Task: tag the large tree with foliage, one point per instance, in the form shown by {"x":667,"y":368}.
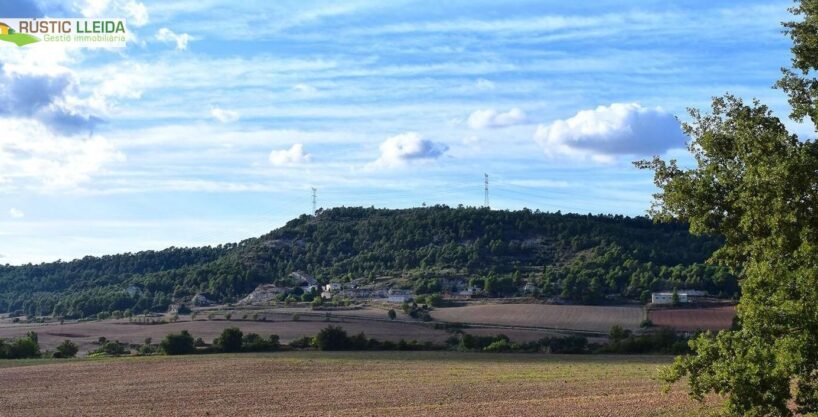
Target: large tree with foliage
{"x":757,"y":185}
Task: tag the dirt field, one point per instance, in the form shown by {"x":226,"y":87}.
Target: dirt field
{"x":691,"y":319}
{"x":84,"y":334}
{"x":373,"y":322}
{"x":570,"y":317}
{"x":343,"y":384}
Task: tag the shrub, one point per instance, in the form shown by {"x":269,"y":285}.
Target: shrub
{"x":252,"y":342}
{"x":303,"y":342}
{"x":178,"y":344}
{"x":501,"y":345}
{"x":66,"y":349}
{"x":332,"y":338}
{"x":112,"y":348}
{"x":22,"y":348}
{"x":230,"y":340}
{"x":392,"y":314}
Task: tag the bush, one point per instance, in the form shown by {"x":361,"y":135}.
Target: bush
{"x":230,"y":340}
{"x":22,"y":348}
{"x":178,"y":344}
{"x":112,"y":348}
{"x":66,"y":349}
{"x":252,"y":342}
{"x":501,"y":345}
{"x":332,"y":338}
{"x":570,"y":344}
{"x":302,"y":343}
{"x":392,"y":314}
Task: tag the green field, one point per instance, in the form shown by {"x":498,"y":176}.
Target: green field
{"x":344,"y":384}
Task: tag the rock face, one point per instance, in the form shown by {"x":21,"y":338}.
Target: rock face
{"x":262,"y":294}
{"x":200,"y":300}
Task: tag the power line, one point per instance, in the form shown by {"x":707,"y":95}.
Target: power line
{"x":486,"y":190}
{"x":314,"y":200}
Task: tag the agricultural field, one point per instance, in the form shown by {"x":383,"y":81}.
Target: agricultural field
{"x":520,"y":322}
{"x":593,"y":319}
{"x":344,"y":384}
{"x":86,"y":333}
{"x":692,"y":319}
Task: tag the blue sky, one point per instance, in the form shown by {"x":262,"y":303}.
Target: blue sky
{"x":218,"y":117}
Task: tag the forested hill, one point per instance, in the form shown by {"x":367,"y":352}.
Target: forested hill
{"x":582,"y":258}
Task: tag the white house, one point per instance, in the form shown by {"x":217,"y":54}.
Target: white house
{"x":667,"y":297}
{"x":332,"y":286}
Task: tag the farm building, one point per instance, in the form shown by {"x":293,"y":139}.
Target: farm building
{"x":684,"y":296}
{"x":332,"y":286}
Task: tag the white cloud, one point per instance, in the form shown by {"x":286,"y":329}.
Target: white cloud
{"x":16,"y":213}
{"x":490,"y":118}
{"x":167,"y":35}
{"x":224,"y":115}
{"x":406,"y":147}
{"x":33,"y":156}
{"x":304,"y":88}
{"x":133,"y":11}
{"x":606,"y":132}
{"x":292,"y":156}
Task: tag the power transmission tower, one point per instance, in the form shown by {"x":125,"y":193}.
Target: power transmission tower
{"x":486,"y":189}
{"x":314,"y":201}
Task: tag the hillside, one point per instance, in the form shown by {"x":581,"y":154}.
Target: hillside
{"x":581,"y":258}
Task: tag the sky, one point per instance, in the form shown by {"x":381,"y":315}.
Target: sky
{"x":215,"y":121}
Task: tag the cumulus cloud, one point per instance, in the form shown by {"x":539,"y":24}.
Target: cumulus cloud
{"x":292,"y":156}
{"x":224,"y":115}
{"x":16,"y":213}
{"x":406,"y":147}
{"x":167,"y":35}
{"x":41,"y":96}
{"x":490,"y":118}
{"x":33,"y":156}
{"x":606,"y":132}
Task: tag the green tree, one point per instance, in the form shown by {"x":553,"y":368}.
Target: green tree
{"x":392,"y":314}
{"x":332,"y":338}
{"x":177,"y":344}
{"x":755,"y":184}
{"x":230,"y":340}
{"x":66,"y":349}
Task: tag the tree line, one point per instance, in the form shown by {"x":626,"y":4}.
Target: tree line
{"x":581,"y":258}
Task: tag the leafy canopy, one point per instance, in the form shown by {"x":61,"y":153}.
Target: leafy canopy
{"x":757,"y":185}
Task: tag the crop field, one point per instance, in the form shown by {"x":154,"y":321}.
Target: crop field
{"x":86,"y":333}
{"x":570,"y":317}
{"x":344,"y":384}
{"x":371,"y":321}
{"x":692,"y":319}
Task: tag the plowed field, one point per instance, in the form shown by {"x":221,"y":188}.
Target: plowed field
{"x":343,"y":384}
